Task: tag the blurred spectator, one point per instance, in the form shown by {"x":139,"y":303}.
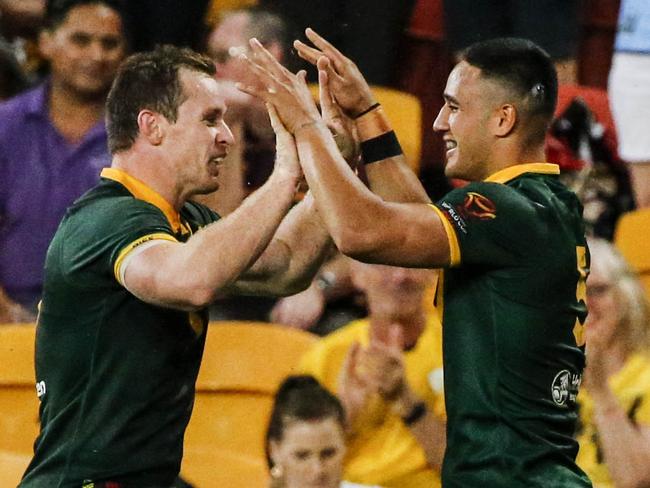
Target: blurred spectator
{"x":53,"y":142}
{"x":368,"y":31}
{"x":614,"y":429}
{"x":250,"y":160}
{"x":305,"y":439}
{"x":225,"y":43}
{"x":12,"y":78}
{"x":387,"y":371}
{"x":552,"y":24}
{"x":629,"y":92}
{"x":582,"y":140}
{"x":20,"y":24}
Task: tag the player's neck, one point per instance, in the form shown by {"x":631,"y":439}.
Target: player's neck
{"x":152,"y":173}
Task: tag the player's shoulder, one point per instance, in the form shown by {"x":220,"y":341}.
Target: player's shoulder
{"x":488,"y":198}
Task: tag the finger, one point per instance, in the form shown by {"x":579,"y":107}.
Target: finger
{"x":261,"y":73}
{"x":327,"y":48}
{"x":267,"y":60}
{"x":351,"y":360}
{"x":306,"y":52}
{"x":328,"y":108}
{"x":257,"y":92}
{"x":276,"y":123}
{"x":396,"y":338}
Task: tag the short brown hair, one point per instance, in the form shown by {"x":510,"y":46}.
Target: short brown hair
{"x":148,"y":80}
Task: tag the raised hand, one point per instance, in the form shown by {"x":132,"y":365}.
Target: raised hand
{"x":352,"y":388}
{"x":341,"y":126}
{"x":349,"y":87}
{"x":383,"y":365}
{"x":286,"y":154}
{"x":287,"y":92}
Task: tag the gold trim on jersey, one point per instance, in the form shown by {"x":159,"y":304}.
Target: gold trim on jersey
{"x":142,"y":191}
{"x":438,"y":301}
{"x":512,"y":172}
{"x":454,"y":247}
{"x":130,"y":247}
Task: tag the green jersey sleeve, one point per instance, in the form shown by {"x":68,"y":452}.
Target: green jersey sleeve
{"x":98,"y":235}
{"x":492,"y":224}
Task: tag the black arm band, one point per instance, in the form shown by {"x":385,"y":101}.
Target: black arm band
{"x":381,"y":147}
{"x":418,"y":411}
{"x":369,"y":109}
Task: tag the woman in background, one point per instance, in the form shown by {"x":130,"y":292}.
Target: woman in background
{"x":305,"y":441}
{"x":614,"y":432}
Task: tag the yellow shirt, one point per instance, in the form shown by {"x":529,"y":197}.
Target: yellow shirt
{"x":383,"y":451}
{"x":631,"y":385}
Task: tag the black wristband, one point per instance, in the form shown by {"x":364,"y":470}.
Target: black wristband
{"x":369,"y":109}
{"x":381,"y":147}
{"x":418,"y":411}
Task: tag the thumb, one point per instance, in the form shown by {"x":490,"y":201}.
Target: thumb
{"x":276,"y":123}
{"x":328,"y":109}
{"x":396,"y":338}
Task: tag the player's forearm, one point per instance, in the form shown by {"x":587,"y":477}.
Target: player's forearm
{"x":344,"y":203}
{"x":293,"y":257}
{"x":191,"y":275}
{"x":394,"y":181}
{"x":626,"y":446}
{"x":388,"y":172}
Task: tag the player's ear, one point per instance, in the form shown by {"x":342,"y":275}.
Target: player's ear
{"x":150,"y":126}
{"x":504,"y":119}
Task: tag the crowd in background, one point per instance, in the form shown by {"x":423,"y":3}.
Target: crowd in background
{"x":55,"y":74}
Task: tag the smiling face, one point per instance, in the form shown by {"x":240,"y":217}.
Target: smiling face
{"x":463,"y":122}
{"x":199,"y":139}
{"x":310,"y":453}
{"x":85,"y":50}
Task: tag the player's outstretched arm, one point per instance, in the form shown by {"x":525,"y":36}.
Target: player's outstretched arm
{"x":190,"y":275}
{"x":361,"y":224}
{"x":389,"y":176}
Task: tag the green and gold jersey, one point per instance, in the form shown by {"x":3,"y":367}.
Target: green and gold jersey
{"x":631,"y":386}
{"x":115,"y":375}
{"x":513,"y":306}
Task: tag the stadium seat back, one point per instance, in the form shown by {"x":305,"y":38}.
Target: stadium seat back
{"x":405,"y":114}
{"x":18,"y":401}
{"x":243,"y":365}
{"x":631,"y":239}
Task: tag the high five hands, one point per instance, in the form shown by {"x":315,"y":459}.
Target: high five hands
{"x":292,"y":99}
{"x":346,"y":83}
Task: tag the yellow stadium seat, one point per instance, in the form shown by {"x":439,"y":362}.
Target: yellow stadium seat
{"x":18,"y":401}
{"x":243,"y":365}
{"x":630,"y":238}
{"x":405,"y":114}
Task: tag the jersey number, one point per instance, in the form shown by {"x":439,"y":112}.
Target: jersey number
{"x":581,"y":293}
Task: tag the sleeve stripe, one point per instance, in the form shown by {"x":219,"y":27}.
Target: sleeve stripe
{"x":454,"y":247}
{"x":120,"y":263}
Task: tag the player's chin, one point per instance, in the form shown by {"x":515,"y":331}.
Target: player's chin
{"x":208,"y":188}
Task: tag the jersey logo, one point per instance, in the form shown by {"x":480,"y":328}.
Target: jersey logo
{"x":479,"y":206}
{"x":565,"y":387}
{"x":40,"y":389}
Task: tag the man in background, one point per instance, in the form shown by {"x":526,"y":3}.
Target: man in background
{"x":53,"y":142}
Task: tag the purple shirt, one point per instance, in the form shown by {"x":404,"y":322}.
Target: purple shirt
{"x":41,"y":174}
